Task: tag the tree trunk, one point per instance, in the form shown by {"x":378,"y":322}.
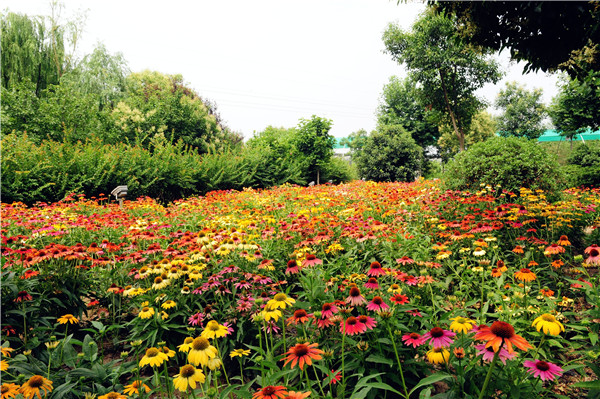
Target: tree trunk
{"x":318,"y":176}
{"x":459,"y":133}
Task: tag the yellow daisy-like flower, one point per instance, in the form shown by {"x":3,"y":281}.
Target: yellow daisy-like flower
{"x":548,"y":324}
{"x":113,"y":395}
{"x":269,"y":312}
{"x":438,"y":355}
{"x":164,"y":315}
{"x":3,"y":365}
{"x":188,"y":376}
{"x":36,"y":386}
{"x":6,"y":350}
{"x":281,"y":300}
{"x":186,"y":346}
{"x":154,"y":357}
{"x":201,"y":351}
{"x":214,"y":329}
{"x":167,"y":351}
{"x":9,"y":390}
{"x":52,"y":344}
{"x":239,"y":352}
{"x":160,"y":283}
{"x":135,"y":387}
{"x":461,"y":324}
{"x":146,"y":312}
{"x":214,"y":363}
{"x":68,"y":318}
{"x":169,"y":304}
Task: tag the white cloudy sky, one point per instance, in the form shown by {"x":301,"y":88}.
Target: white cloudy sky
{"x":264,"y":62}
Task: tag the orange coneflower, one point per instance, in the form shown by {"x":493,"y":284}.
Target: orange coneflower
{"x":300,"y":316}
{"x":557,"y":263}
{"x":9,"y":390}
{"x":563,"y":240}
{"x":554,"y":249}
{"x":34,"y":385}
{"x":501,"y":333}
{"x":525,"y":275}
{"x":271,"y":392}
{"x":518,"y":249}
{"x":303,"y":354}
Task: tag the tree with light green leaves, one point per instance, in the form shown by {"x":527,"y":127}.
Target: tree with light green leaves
{"x":482,"y":127}
{"x":315,"y":144}
{"x":448,"y":72}
{"x":522,"y":112}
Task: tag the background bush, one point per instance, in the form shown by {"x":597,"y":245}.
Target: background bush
{"x":584,"y":166}
{"x":509,"y":162}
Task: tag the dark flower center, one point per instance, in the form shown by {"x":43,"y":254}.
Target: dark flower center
{"x":200,"y":344}
{"x":542,"y":366}
{"x":187,"y":371}
{"x":354,"y":291}
{"x":377,"y":300}
{"x":300,"y":313}
{"x":152,"y":352}
{"x":36,"y":381}
{"x":310,"y":257}
{"x":301,"y":350}
{"x":280,"y":297}
{"x":326,"y":307}
{"x":291,"y":263}
{"x":268,"y":391}
{"x":363,"y":319}
{"x":351,"y":321}
{"x":594,"y":252}
{"x":375,"y":265}
{"x":414,"y":335}
{"x":436,"y":332}
{"x":502,"y":329}
{"x":372,"y":280}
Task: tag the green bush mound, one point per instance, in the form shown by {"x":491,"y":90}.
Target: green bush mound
{"x":166,"y":171}
{"x":508,"y":162}
{"x":584,"y":166}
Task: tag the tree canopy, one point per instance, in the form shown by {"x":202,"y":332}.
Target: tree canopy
{"x":447,"y":70}
{"x":315,"y":143}
{"x":522,"y":111}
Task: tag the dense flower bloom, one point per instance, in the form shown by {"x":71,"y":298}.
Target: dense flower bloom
{"x":352,"y":326}
{"x":438,"y":337}
{"x":545,"y":370}
{"x":36,"y":386}
{"x":303,"y":354}
{"x":281,"y":300}
{"x":413,"y":339}
{"x":488,"y":353}
{"x":355,"y":298}
{"x":525,"y":275}
{"x":438,"y":355}
{"x":214,"y":330}
{"x":501,"y":332}
{"x":377,"y":304}
{"x":68,"y":318}
{"x":188,"y":376}
{"x":201,"y":351}
{"x":461,"y":324}
{"x":135,"y":387}
{"x":154,"y":357}
{"x":548,"y":324}
{"x":271,"y":392}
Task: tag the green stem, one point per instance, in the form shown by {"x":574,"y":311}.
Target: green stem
{"x":62,"y":347}
{"x":489,"y":374}
{"x":307,"y":380}
{"x":399,"y":363}
{"x":157,"y":379}
{"x":343,"y":364}
{"x":241,"y":372}
{"x":222,"y":363}
{"x":167,"y":380}
{"x":24,"y":326}
{"x":262,"y":369}
{"x":318,"y":381}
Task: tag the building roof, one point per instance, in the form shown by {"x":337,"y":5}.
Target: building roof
{"x":553,"y":135}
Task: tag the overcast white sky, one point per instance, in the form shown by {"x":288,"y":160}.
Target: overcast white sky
{"x":264,"y":62}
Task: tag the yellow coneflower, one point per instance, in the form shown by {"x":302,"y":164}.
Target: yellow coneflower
{"x":438,"y":355}
{"x":187,"y":345}
{"x":214,"y":330}
{"x":169,"y":304}
{"x":239,"y":352}
{"x":113,"y":395}
{"x":160,"y":283}
{"x":188,"y":376}
{"x":36,"y":386}
{"x":135,"y":387}
{"x":548,"y":324}
{"x":146,"y":312}
{"x":201,"y":351}
{"x":154,"y":357}
{"x":525,"y":275}
{"x":68,"y":318}
{"x":281,"y":300}
{"x":461,"y":324}
{"x":9,"y":390}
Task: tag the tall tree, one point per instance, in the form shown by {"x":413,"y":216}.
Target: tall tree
{"x":547,"y":35}
{"x":315,"y":143}
{"x":448,"y":71}
{"x":522,"y":112}
{"x":400,"y":104}
{"x":482,"y":128}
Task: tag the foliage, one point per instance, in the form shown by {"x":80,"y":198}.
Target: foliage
{"x":315,"y":143}
{"x":586,"y":158}
{"x":448,"y":71}
{"x":482,"y":128}
{"x":576,"y":108}
{"x":546,"y":35}
{"x":400,"y":104}
{"x":522,"y":112}
{"x":355,"y":141}
{"x":390,"y":154}
{"x":507,"y":162}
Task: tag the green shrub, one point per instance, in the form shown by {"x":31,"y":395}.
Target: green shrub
{"x":509,"y":162}
{"x":390,"y":154}
{"x":584,"y":166}
{"x":338,"y":170}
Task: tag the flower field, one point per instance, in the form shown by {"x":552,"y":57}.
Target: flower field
{"x":362,"y":290}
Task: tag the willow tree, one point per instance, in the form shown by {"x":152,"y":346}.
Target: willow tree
{"x":447,"y":71}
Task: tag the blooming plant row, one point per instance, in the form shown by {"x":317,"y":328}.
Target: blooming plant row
{"x":352,"y":291}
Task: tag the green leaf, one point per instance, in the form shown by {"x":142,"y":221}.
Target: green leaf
{"x":379,"y":359}
{"x":593,"y":337}
{"x":430,"y":380}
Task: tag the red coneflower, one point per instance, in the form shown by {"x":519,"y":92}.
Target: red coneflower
{"x":372,"y":283}
{"x":271,"y":392}
{"x":352,"y":326}
{"x":368,"y":321}
{"x":377,"y":304}
{"x":501,"y":333}
{"x":328,"y":310}
{"x":292,"y":267}
{"x":303,"y":354}
{"x":23,"y":296}
{"x":355,"y":298}
{"x":413,"y":339}
{"x":299,"y":317}
{"x":557,"y":263}
{"x":375,"y":269}
{"x":438,"y":337}
{"x":554,"y":249}
{"x":518,"y":249}
{"x":399,"y":299}
{"x":405,"y":260}
{"x":311,"y":260}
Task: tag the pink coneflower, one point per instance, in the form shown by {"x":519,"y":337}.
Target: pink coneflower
{"x":399,"y":299}
{"x":594,"y":252}
{"x":554,"y":249}
{"x":488,"y":353}
{"x":263,"y":279}
{"x":229,"y":328}
{"x":196,"y":319}
{"x":411,"y":280}
{"x":328,"y":310}
{"x":545,"y":370}
{"x":368,"y":321}
{"x":372,"y":283}
{"x":405,"y":260}
{"x":244,"y":304}
{"x":324,"y":322}
{"x":414,"y":312}
{"x":376,"y":269}
{"x":222,"y":290}
{"x":413,"y":339}
{"x":292,"y":267}
{"x":242,"y":284}
{"x":400,"y":275}
{"x":271,"y":327}
{"x":438,"y":337}
{"x":355,"y":298}
{"x":352,"y":326}
{"x":377,"y":304}
{"x":311,"y":260}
